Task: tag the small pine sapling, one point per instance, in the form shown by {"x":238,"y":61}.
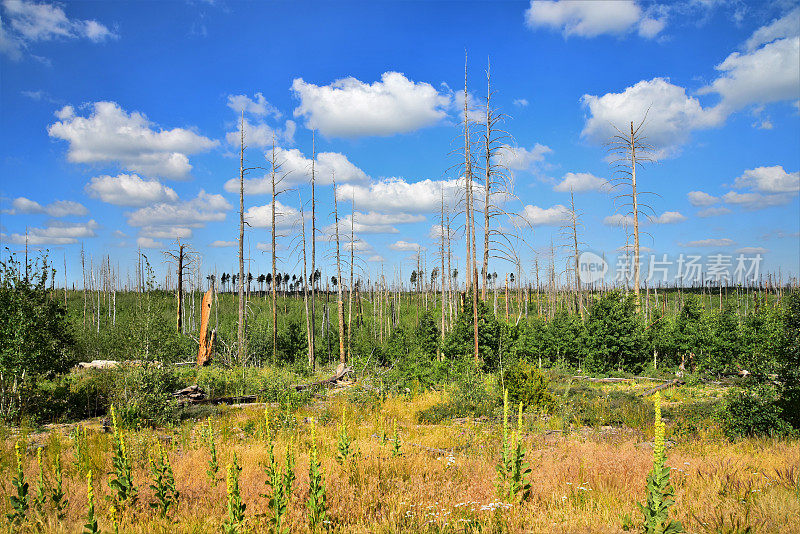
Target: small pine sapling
{"x":19,"y":502}
{"x":236,"y":508}
{"x":659,"y":489}
{"x":316,"y":491}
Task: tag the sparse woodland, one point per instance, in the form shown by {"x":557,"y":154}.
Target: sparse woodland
{"x":486,"y":393}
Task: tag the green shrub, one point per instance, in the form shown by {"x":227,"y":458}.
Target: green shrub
{"x":529,"y":385}
{"x":470,"y":397}
{"x":143,"y":395}
{"x":753,"y":411}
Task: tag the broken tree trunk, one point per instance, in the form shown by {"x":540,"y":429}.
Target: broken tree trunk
{"x":341,"y":371}
{"x":677,"y":382}
{"x":206,"y":347}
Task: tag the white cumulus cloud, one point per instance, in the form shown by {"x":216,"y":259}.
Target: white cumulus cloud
{"x":129,"y":190}
{"x":110,"y":134}
{"x":770,"y":180}
{"x":25,"y":23}
{"x":579,"y":182}
{"x":397,"y":195}
{"x":405,"y":246}
{"x":58,"y":208}
{"x":193,"y":213}
{"x":592,"y":18}
{"x":56,"y":233}
{"x":552,"y":216}
{"x":295,"y":168}
{"x":351,"y":108}
{"x":671,"y":114}
{"x":701,"y":198}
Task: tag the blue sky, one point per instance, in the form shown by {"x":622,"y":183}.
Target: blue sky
{"x":118,"y":121}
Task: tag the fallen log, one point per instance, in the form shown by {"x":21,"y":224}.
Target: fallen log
{"x":673,"y":383}
{"x":341,"y":371}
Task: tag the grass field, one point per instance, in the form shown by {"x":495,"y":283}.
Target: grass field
{"x":583,"y":478}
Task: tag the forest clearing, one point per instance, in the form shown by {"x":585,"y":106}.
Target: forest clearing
{"x":438,"y":267}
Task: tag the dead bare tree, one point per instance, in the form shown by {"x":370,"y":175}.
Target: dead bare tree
{"x":569,"y":232}
{"x":340,"y":303}
{"x":182,"y":259}
{"x":276,"y":178}
{"x":311,"y":353}
{"x":631,"y":150}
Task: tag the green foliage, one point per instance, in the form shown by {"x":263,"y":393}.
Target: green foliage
{"x":468,"y":396}
{"x":163,"y":486}
{"x":279,"y":484}
{"x":754,"y":411}
{"x":57,"y":495}
{"x":528,"y":385}
{"x":460,"y":342}
{"x":91,"y":526}
{"x":143,"y":395}
{"x":40,"y":496}
{"x":396,"y":442}
{"x":659,"y":489}
{"x":789,"y":360}
{"x":236,"y":507}
{"x":213,"y":463}
{"x":317,"y":514}
{"x":36,"y":340}
{"x":344,"y":447}
{"x":615,"y":334}
{"x":20,"y":501}
{"x":512,"y":469}
{"x":122,"y":483}
{"x":426,"y":334}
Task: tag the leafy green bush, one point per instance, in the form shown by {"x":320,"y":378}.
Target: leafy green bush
{"x":470,"y":396}
{"x":143,"y":395}
{"x":529,"y":385}
{"x":753,"y":411}
{"x":36,"y":340}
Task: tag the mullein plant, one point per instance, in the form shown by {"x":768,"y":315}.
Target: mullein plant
{"x":20,"y":501}
{"x":81,"y":449}
{"x":91,"y":526}
{"x":166,"y":495}
{"x":316,"y":489}
{"x":518,"y":484}
{"x":504,"y":465}
{"x":40,"y":496}
{"x":57,"y":495}
{"x":344,"y":449}
{"x":213,"y":462}
{"x":659,"y":489}
{"x":279,"y":482}
{"x":122,"y":483}
{"x":236,"y":508}
{"x":395,"y":440}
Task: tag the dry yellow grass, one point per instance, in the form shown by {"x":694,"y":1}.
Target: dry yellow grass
{"x":443,"y":481}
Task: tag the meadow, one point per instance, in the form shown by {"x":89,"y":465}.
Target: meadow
{"x":552,"y":429}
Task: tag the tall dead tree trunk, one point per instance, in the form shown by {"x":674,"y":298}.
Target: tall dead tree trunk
{"x":340,"y":302}
{"x":273,"y":176}
{"x":312,"y":354}
{"x":240,"y":330}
